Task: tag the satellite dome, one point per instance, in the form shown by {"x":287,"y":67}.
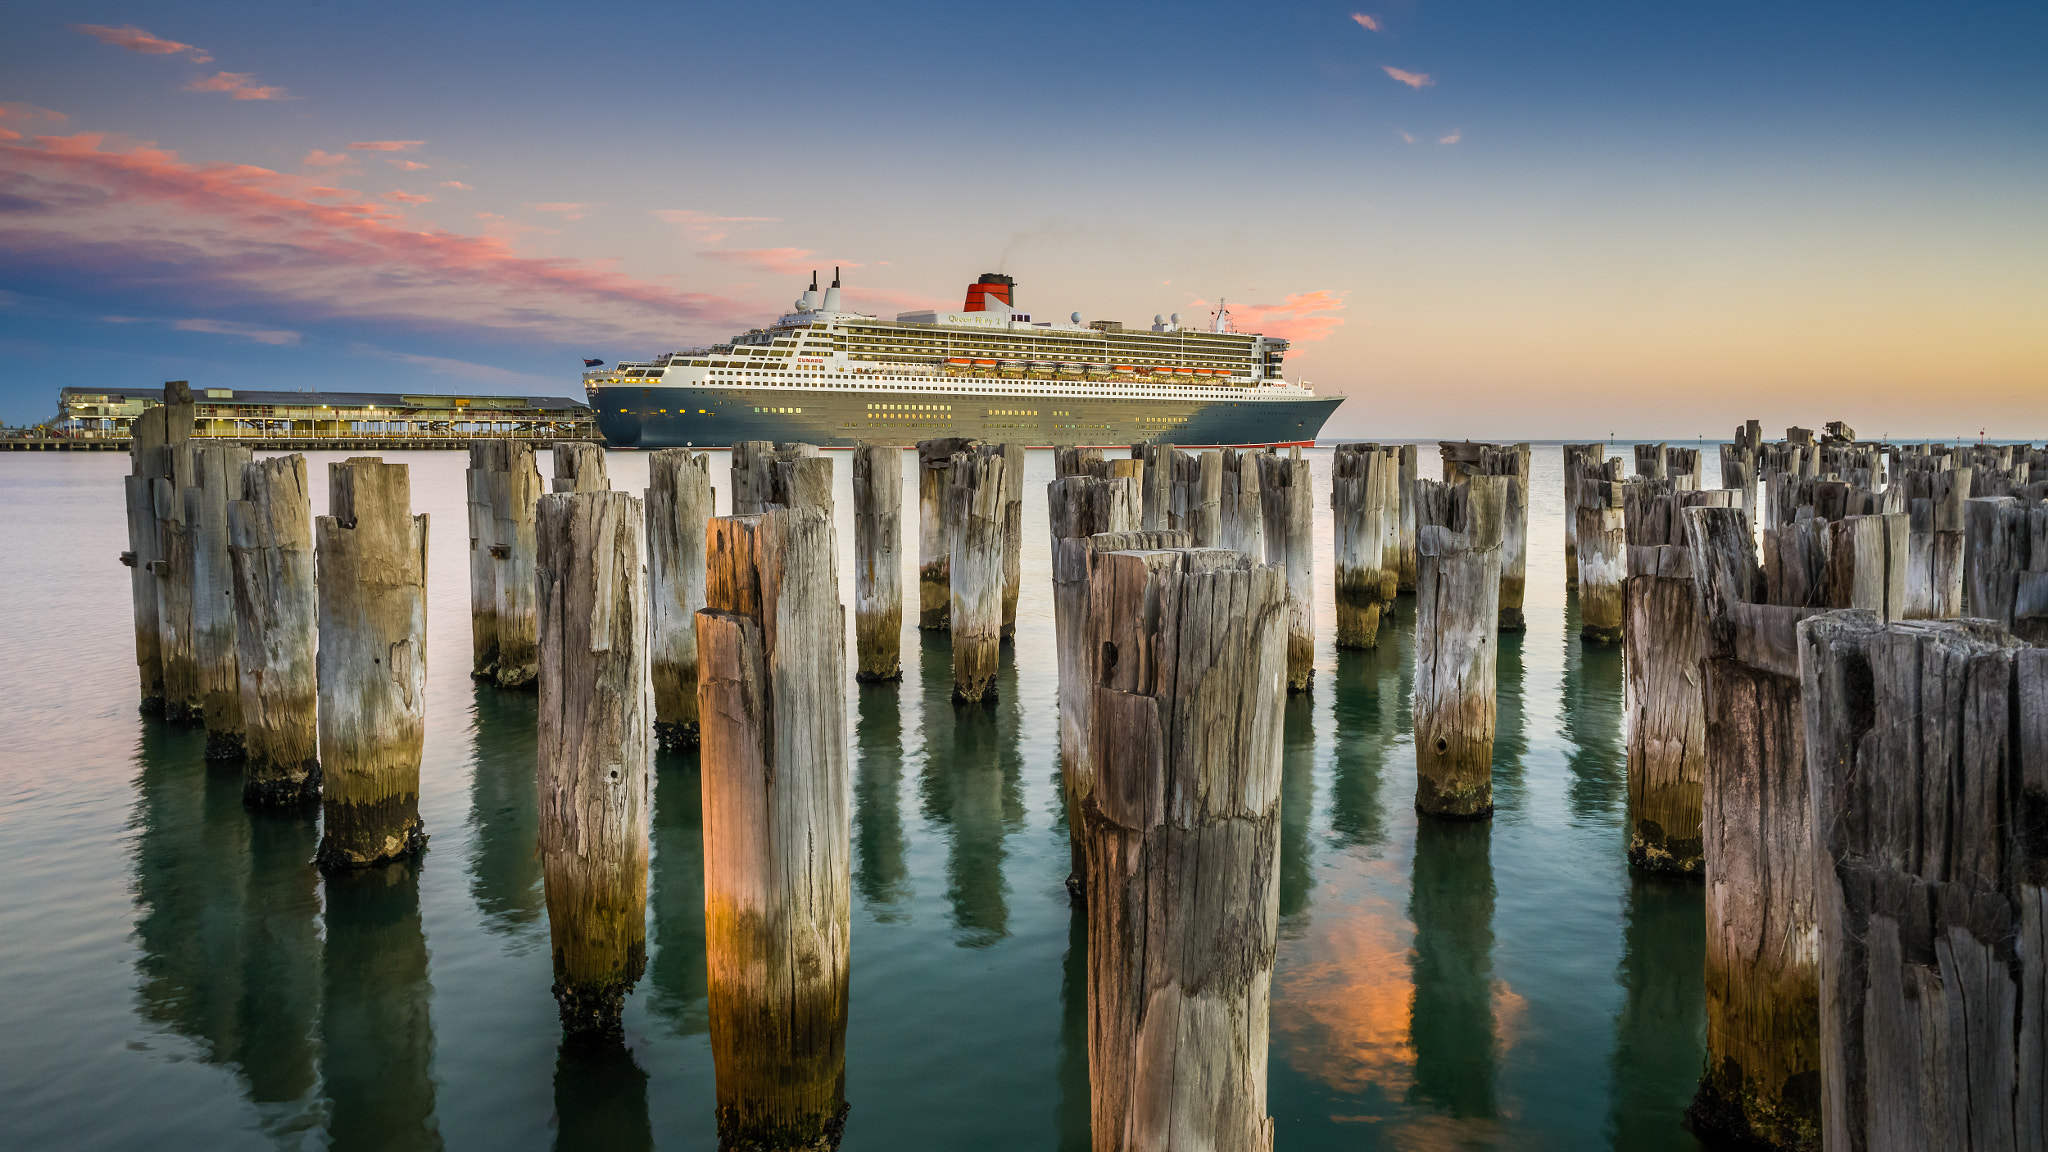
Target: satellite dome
{"x":1158,"y":319}
{"x":1077,"y":317}
{"x":1174,"y":319}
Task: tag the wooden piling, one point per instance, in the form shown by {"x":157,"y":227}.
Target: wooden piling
{"x":1362,"y":502}
{"x":1935,"y":545}
{"x":483,"y":567}
{"x":1582,"y":462}
{"x":579,"y":467}
{"x":1183,"y":832}
{"x":1602,"y":543}
{"x":800,"y":481}
{"x":595,"y":708}
{"x":680,"y":501}
{"x":1410,"y":467}
{"x":2005,"y":563}
{"x":157,"y":438}
{"x":370,"y":562}
{"x":878,"y":562}
{"x":1013,"y":533}
{"x":216,"y":483}
{"x":1457,"y":611}
{"x":1762,"y":1080}
{"x":1078,"y":507}
{"x":270,"y":538}
{"x":1286,"y":488}
{"x":1464,"y":458}
{"x":503,"y":483}
{"x":1866,"y":564}
{"x":979,"y":494}
{"x":1202,"y":494}
{"x":1156,"y":486}
{"x":934,"y":530}
{"x":1242,"y":510}
{"x":772,"y":696}
{"x":1925,"y":746}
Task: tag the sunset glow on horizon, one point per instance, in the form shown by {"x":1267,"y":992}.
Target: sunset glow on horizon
{"x":1507,"y":223}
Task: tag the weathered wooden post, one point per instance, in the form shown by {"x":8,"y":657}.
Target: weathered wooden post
{"x":483,"y":567}
{"x":1204,"y":497}
{"x":772,"y":696}
{"x":1934,"y":547}
{"x":1602,"y":540}
{"x":680,"y":501}
{"x":1924,"y":751}
{"x":750,"y":478}
{"x":270,"y":536}
{"x":1763,"y":1014}
{"x":1462,"y":459}
{"x":1013,"y":533}
{"x":1078,"y":508}
{"x":1183,"y":831}
{"x":1458,"y":531}
{"x":594,"y":754}
{"x":1663,"y":643}
{"x":1582,"y":462}
{"x":1243,"y":510}
{"x":1361,"y":485}
{"x":216,"y":483}
{"x":2005,"y":560}
{"x":1285,"y":487}
{"x":504,"y":485}
{"x":158,"y":438}
{"x":370,"y":560}
{"x":934,"y":530}
{"x":878,"y":561}
{"x":800,"y":481}
{"x":1738,"y":471}
{"x":1653,"y":461}
{"x":1157,"y":486}
{"x":1410,"y":471}
{"x":979,"y":495}
{"x":579,"y":466}
{"x":1866,"y":564}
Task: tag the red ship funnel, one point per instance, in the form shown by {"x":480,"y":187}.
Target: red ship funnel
{"x":991,"y":286}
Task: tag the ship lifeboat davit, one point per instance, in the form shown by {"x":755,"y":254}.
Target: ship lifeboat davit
{"x":1183,"y":371}
{"x":958,"y":362}
{"x":1124,"y":368}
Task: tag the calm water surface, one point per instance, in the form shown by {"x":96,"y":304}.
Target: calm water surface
{"x":174,"y":973}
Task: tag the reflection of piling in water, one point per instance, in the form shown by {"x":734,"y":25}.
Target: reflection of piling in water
{"x":600,"y":1098}
{"x":878,"y":562}
{"x":1452,"y":1024}
{"x":679,"y":505}
{"x":158,"y":442}
{"x":879,"y":870}
{"x":371,"y":562}
{"x":270,"y":533}
{"x":979,"y":499}
{"x":1071,"y":1113}
{"x":675,"y":971}
{"x":1926,"y":748}
{"x":1287,"y":491}
{"x":1762,"y":1079}
{"x":935,"y":529}
{"x":1183,"y":834}
{"x":504,"y":817}
{"x":772,"y":702}
{"x":594,"y":756}
{"x":1458,"y":529}
{"x":970,"y":786}
{"x":1297,"y":803}
{"x":1656,"y":1047}
{"x":1368,"y":709}
{"x":504,"y":485}
{"x":377,"y":1040}
{"x":216,"y":485}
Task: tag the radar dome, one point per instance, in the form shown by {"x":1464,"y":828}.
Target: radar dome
{"x":1077,"y":317}
{"x":1173,"y":319}
{"x":1158,"y":319}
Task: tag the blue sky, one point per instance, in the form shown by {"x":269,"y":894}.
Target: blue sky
{"x":1474,"y":219}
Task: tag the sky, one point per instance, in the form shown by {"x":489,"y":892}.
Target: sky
{"x":1487,"y":220}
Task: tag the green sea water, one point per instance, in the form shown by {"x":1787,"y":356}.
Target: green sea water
{"x":175,"y":974}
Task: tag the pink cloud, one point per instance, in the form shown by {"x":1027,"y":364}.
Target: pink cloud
{"x":1298,"y":317}
{"x":408,"y":198}
{"x":1405,"y":137}
{"x":1369,"y":23}
{"x":136,"y":40}
{"x":406,"y":165}
{"x":318,"y":159}
{"x":239,"y":85}
{"x":1453,"y":137}
{"x":704,"y":227}
{"x":565,"y":210}
{"x":24,"y":114}
{"x":256,"y":332}
{"x":781,"y":261}
{"x":386,"y":145}
{"x":1416,"y":80}
{"x":236,"y":238}
{"x":458,"y":185}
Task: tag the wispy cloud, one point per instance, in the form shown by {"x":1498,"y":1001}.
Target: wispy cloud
{"x":405,"y":165}
{"x":564,"y":209}
{"x":1405,"y":137}
{"x":489,"y":375}
{"x":256,"y":332}
{"x":1451,"y":137}
{"x":458,"y":185}
{"x":239,"y":85}
{"x":386,"y":145}
{"x":1369,"y":23}
{"x":318,"y":159}
{"x":1412,"y":79}
{"x":107,"y":217}
{"x":24,"y":115}
{"x":1302,"y":316}
{"x":781,"y":261}
{"x":408,"y":198}
{"x":704,"y":227}
{"x":136,"y":40}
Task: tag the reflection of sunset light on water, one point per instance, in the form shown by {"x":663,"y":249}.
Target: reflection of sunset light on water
{"x":1342,"y":1001}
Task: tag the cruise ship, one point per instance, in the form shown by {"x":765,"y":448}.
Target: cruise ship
{"x":827,"y":376}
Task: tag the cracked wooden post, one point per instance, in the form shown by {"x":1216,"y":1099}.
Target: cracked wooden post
{"x":777,"y":882}
{"x":1183,"y":831}
{"x":1934,"y":548}
{"x":1288,"y":493}
{"x":1582,"y":462}
{"x":979,"y":493}
{"x":485,"y":457}
{"x":1866,"y":564}
{"x":158,"y":438}
{"x":1738,"y":467}
{"x":1926,"y":745}
{"x":1361,"y":488}
{"x":1156,"y":486}
{"x":216,"y":484}
{"x":1464,"y":458}
{"x":593,"y":763}
{"x":183,"y":700}
{"x":1078,"y":508}
{"x":1457,"y":613}
{"x":1663,"y":643}
{"x":1762,"y":1080}
{"x":270,"y":536}
{"x":1653,"y":461}
{"x":504,"y":486}
{"x":1404,"y":482}
{"x":1602,"y":540}
{"x":1243,"y":510}
{"x":579,"y":467}
{"x":935,"y":531}
{"x":2005,"y":563}
{"x":370,"y":563}
{"x":750,"y":480}
{"x":1013,"y":533}
{"x":1204,"y":498}
{"x":680,"y":501}
{"x":878,"y":561}
{"x":800,"y":481}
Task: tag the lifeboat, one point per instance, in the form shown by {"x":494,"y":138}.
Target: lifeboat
{"x":1013,"y":365}
{"x":984,"y":363}
{"x":1070,"y":368}
{"x":1205,"y":371}
{"x":1183,"y":371}
{"x":1125,"y":368}
{"x":958,"y":362}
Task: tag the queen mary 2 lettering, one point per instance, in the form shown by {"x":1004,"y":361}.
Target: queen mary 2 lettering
{"x":826,"y":376}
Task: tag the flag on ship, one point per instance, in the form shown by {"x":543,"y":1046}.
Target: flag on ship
{"x":593,"y":363}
